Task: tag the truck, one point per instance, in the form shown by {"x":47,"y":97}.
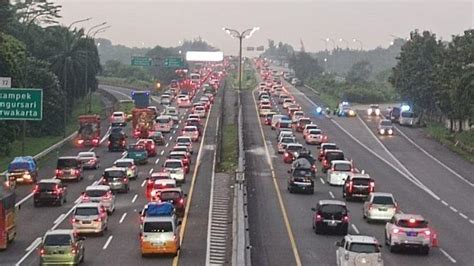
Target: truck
{"x":23,"y":169}
{"x":89,"y":131}
{"x":7,"y":216}
{"x":141,"y":98}
{"x":187,"y":87}
{"x":142,"y":122}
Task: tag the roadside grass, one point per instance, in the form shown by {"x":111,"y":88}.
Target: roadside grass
{"x":35,"y":145}
{"x":126,"y":83}
{"x":441,"y":134}
{"x":230,"y":149}
{"x":249,"y":80}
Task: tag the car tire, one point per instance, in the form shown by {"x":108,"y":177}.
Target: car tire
{"x":392,"y":248}
{"x":317,"y":230}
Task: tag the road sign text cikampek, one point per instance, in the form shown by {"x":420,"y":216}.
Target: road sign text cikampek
{"x":21,"y":104}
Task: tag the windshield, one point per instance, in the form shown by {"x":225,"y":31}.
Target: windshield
{"x":285,"y":125}
{"x":135,"y":148}
{"x":47,"y":186}
{"x":123,"y":164}
{"x":342,"y":167}
{"x":86,"y":211}
{"x":329,"y":147}
{"x":163,"y":120}
{"x":189,"y":129}
{"x":158,"y":227}
{"x":294,"y":147}
{"x":114,"y":174}
{"x":416,"y":224}
{"x":384,"y":200}
{"x":408,"y":114}
{"x":333,"y":209}
{"x":86,"y":154}
{"x":364,"y":248}
{"x":335,"y":156}
{"x":57,"y":240}
{"x":67,"y":163}
{"x":386,"y":123}
{"x":183,"y":140}
{"x":170,"y":195}
{"x":360,"y":181}
{"x":96,"y":193}
{"x":173,"y":165}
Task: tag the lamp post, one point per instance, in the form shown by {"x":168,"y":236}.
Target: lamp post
{"x":333,"y":43}
{"x":360,"y":42}
{"x":78,"y":21}
{"x":240,"y":35}
{"x":344,"y":40}
{"x":325,"y":44}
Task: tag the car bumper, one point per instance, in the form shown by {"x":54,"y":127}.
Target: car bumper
{"x":117,"y":187}
{"x":380,"y":216}
{"x":67,"y":177}
{"x":59,"y":260}
{"x":47,"y":200}
{"x":149,"y":248}
{"x":301,"y":187}
{"x":332,"y":227}
{"x":88,"y":228}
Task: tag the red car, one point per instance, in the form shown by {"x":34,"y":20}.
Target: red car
{"x":151,"y":181}
{"x":184,"y":157}
{"x":149,"y":146}
{"x":291,"y":152}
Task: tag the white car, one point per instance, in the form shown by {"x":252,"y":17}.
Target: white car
{"x":90,"y":218}
{"x":297,"y":115}
{"x":315,"y":137}
{"x":89,"y":160}
{"x":287,"y":102}
{"x":355,"y":250}
{"x":132,"y":171}
{"x":192,"y":132}
{"x":118,"y":119}
{"x":101,"y":194}
{"x":161,"y":184}
{"x":200,"y":111}
{"x":175,"y":168}
{"x":408,"y":231}
{"x":379,"y":206}
{"x":337,"y":174}
{"x":374,"y":110}
{"x":171,"y":111}
{"x":283,"y":142}
{"x":309,"y":127}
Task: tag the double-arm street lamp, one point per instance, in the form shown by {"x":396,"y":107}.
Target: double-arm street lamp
{"x":360,"y":42}
{"x":240,"y":35}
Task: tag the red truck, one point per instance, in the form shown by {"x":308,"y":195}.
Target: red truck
{"x":89,"y":131}
{"x":187,"y":87}
{"x":7,"y":216}
{"x":142,"y":122}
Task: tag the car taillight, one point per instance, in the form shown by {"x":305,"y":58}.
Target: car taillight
{"x":98,"y":219}
{"x":80,"y":141}
{"x":36,"y":189}
{"x":345,"y":219}
{"x":152,"y":146}
{"x":95,"y":141}
{"x":77,"y":172}
{"x":371,"y":207}
{"x":74,"y":251}
{"x":125,"y":179}
{"x":287,"y":154}
{"x":181,"y":201}
{"x":85,"y":198}
{"x":395,"y":230}
{"x":350,"y":186}
{"x":42,"y":251}
{"x":318,"y":218}
{"x":325,"y":162}
{"x":372,"y":186}
{"x":73,"y":220}
{"x":58,"y":172}
{"x":427,"y":232}
{"x":108,"y":142}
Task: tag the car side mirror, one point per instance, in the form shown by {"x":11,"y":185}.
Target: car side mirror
{"x":313,"y":209}
{"x":337,"y":244}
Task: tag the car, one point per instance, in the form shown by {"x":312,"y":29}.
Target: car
{"x":329,"y":156}
{"x":182,"y":147}
{"x":185,"y":141}
{"x":149,"y":145}
{"x":150,"y":181}
{"x":132,"y":171}
{"x":284,"y":132}
{"x":282,"y":97}
{"x":23,"y":169}
{"x":69,"y":168}
{"x":154,"y":109}
{"x":157,"y":137}
{"x":175,"y":196}
{"x":331,"y":215}
{"x":159,"y":185}
{"x":407,"y":118}
{"x":264,"y":110}
{"x":394,"y":114}
{"x":296,"y":82}
{"x":101,"y":194}
{"x":195,"y":122}
{"x":61,"y":247}
{"x":374,"y":110}
{"x":292,"y":109}
{"x":210,"y":96}
{"x":176,"y":169}
{"x":385,"y":127}
{"x":287,"y":102}
{"x":408,"y":231}
{"x":283,"y":142}
{"x":296,"y":115}
{"x":184,"y":156}
{"x":267,"y":119}
{"x":163,"y":123}
{"x":200,"y":110}
{"x":355,"y":250}
{"x":194,"y":116}
{"x":315,"y":137}
{"x":277,"y":118}
{"x":89,"y":160}
{"x":291,"y":152}
{"x":301,"y":123}
{"x":301,"y":180}
{"x":89,"y":218}
{"x":172,"y":112}
{"x":138,"y":153}
{"x":160,"y":235}
{"x":324,"y":147}
{"x":345,"y":109}
{"x":184,"y":101}
{"x":118,"y":119}
{"x":116,"y":178}
{"x":117,"y":139}
{"x":49,"y":191}
{"x":284,"y":124}
{"x":309,"y":127}
{"x":358,"y":186}
{"x":379,"y":206}
{"x":165,"y":100}
{"x":305,"y":160}
{"x":192,"y":132}
{"x":338,"y":172}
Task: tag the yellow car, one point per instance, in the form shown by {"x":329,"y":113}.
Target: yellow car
{"x":160,"y":235}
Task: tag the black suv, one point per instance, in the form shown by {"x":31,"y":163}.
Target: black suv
{"x":69,"y":168}
{"x":117,"y":139}
{"x":358,"y":186}
{"x":301,"y":180}
{"x":49,"y":191}
{"x":331,"y":215}
{"x":329,"y":156}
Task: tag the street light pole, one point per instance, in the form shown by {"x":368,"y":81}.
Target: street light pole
{"x":78,"y":21}
{"x":360,"y":42}
{"x":344,"y":40}
{"x":244,"y":35}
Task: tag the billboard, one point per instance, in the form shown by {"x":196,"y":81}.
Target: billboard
{"x":204,"y":56}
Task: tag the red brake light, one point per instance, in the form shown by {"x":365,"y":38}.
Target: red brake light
{"x":42,"y":252}
{"x":85,"y":198}
{"x":80,"y":141}
{"x":372,"y":186}
{"x":181,"y":201}
{"x":346,"y":219}
{"x":125,"y":179}
{"x":108,"y":195}
{"x":73,"y":220}
{"x":350,"y":186}
{"x":427,"y":232}
{"x":395,"y":230}
{"x":370,"y":206}
{"x":98,"y":219}
{"x":58,"y":172}
{"x":318,"y":217}
{"x":287,"y":154}
{"x":95,"y":141}
{"x":36,"y":189}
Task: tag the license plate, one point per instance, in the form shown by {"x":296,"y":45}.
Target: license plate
{"x":383,"y":209}
{"x":86,"y":222}
{"x":412,"y":233}
{"x":332,"y":223}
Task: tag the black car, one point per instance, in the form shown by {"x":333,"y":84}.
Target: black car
{"x":358,"y":186}
{"x":305,"y":155}
{"x":117,"y":140}
{"x":301,"y":180}
{"x":49,"y":191}
{"x":330,"y":215}
{"x":69,"y":168}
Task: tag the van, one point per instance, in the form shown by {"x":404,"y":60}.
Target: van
{"x":164,"y":123}
{"x":407,"y":118}
{"x":277,"y":118}
{"x":68,"y":168}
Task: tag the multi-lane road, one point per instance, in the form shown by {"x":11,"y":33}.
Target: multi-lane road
{"x":420,"y":177}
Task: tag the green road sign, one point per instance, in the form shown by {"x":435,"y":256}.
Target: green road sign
{"x":176,"y":62}
{"x":141,"y":61}
{"x":21,"y":104}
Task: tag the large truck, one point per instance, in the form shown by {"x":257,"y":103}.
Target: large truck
{"x":142,"y":122}
{"x":7,"y":216}
{"x":89,"y":131}
{"x":141,"y":98}
{"x":187,"y":87}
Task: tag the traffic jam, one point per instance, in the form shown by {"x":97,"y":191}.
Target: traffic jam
{"x":167,"y":136}
{"x":299,"y":147}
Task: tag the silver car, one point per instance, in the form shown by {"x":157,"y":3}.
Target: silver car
{"x":407,"y":118}
{"x":380,"y":206}
{"x":90,"y":218}
{"x":175,"y":168}
{"x":89,"y":160}
{"x":337,"y":174}
{"x":132,"y":170}
{"x":385,"y":127}
{"x":356,"y":250}
{"x":116,"y":178}
{"x":101,"y":194}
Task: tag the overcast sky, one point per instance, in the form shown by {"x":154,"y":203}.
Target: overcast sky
{"x":152,"y":22}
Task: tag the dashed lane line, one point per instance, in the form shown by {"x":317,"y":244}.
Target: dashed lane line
{"x":447,"y":255}
{"x":123,"y":217}
{"x":134,"y":198}
{"x":151,"y":171}
{"x":143,"y":183}
{"x":107,"y":243}
{"x":330,"y":194}
{"x":355,"y":228}
{"x":322,"y":180}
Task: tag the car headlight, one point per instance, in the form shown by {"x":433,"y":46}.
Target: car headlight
{"x":369,"y":111}
{"x":351,"y":113}
{"x":390,"y":131}
{"x":382,"y":131}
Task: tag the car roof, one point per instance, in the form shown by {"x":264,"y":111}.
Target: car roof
{"x":358,"y":175}
{"x":114,"y":168}
{"x":184,"y":137}
{"x":97,"y":187}
{"x":67,"y":157}
{"x":382,"y":194}
{"x":331,"y":202}
{"x":191,"y":127}
{"x":407,"y":216}
{"x":166,"y":181}
{"x":332,"y":150}
{"x":328,"y":144}
{"x":341,"y":162}
{"x":159,"y":219}
{"x":174,"y":189}
{"x":294,"y":144}
{"x":88,"y":205}
{"x":50,"y":181}
{"x":124,"y":160}
{"x":362,"y":239}
{"x":173,"y":160}
{"x":60,"y":232}
{"x":88,"y":153}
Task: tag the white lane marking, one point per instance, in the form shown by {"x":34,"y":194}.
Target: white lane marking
{"x":434,"y":159}
{"x":157,"y":160}
{"x":330,"y":194}
{"x":322,"y":180}
{"x":65,"y":216}
{"x":124,"y":155}
{"x":171,"y":137}
{"x":174,"y":131}
{"x":444,"y":203}
{"x":162,"y":152}
{"x":123,"y":217}
{"x":447,"y":255}
{"x":108,"y":242}
{"x":59,"y":218}
{"x":471,"y":221}
{"x":143,"y":183}
{"x":462,"y":215}
{"x":166,"y":145}
{"x":151,"y":171}
{"x":34,"y":244}
{"x":453,"y":209}
{"x":355,"y":228}
{"x":134,"y":198}
{"x":24,"y":199}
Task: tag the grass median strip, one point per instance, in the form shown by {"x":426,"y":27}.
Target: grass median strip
{"x":453,"y":141}
{"x":230,"y":149}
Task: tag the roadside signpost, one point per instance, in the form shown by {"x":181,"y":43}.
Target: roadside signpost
{"x":174,"y":62}
{"x":141,"y":61}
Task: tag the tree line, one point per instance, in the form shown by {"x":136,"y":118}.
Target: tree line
{"x":37,"y":52}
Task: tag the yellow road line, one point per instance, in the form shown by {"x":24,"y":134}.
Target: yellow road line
{"x":191,"y":189}
{"x":277,"y":188}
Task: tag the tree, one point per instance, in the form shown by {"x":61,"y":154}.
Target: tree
{"x":305,"y":66}
{"x":359,"y":72}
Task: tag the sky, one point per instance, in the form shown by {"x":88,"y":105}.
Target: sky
{"x":146,"y":23}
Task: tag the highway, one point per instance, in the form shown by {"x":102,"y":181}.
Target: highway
{"x":424,"y":187}
{"x":120,"y":244}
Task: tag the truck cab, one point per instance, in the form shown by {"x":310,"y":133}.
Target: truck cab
{"x":89,"y":131}
{"x":22,"y":169}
